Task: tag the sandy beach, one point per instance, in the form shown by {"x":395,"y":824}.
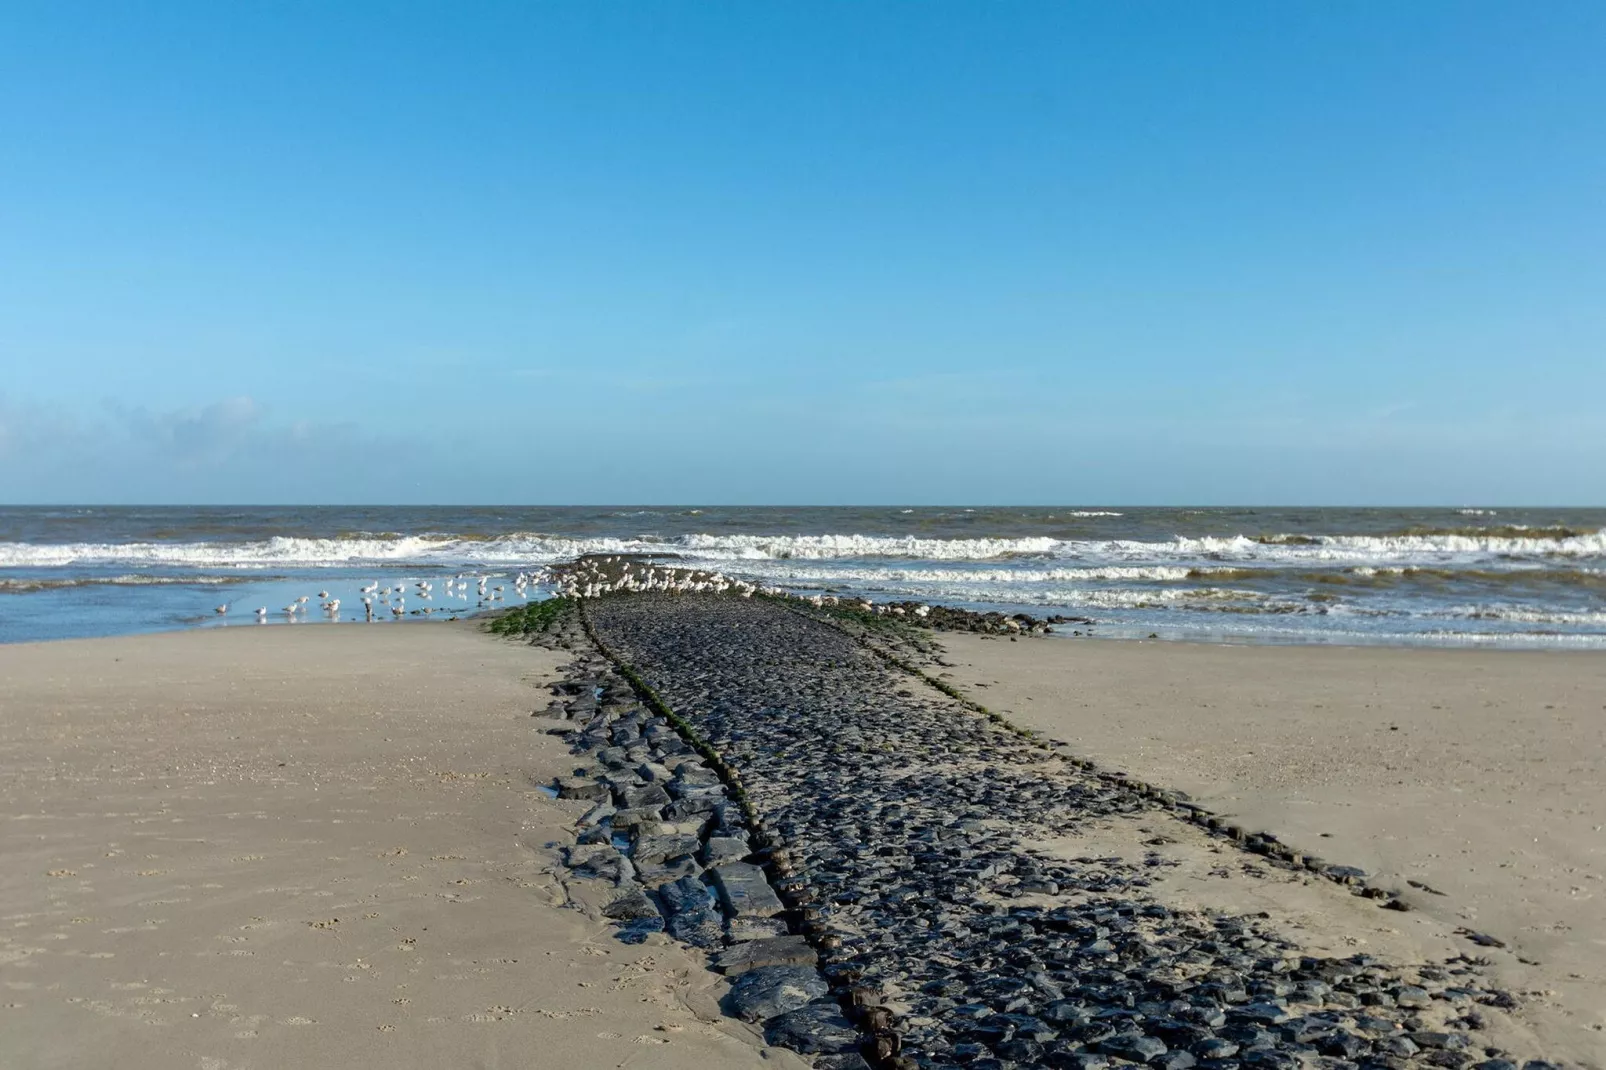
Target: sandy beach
{"x":262,"y":847}
{"x":1472,"y":781}
{"x":252,"y":847}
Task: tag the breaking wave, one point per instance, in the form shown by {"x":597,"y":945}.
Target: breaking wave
{"x":29,"y":586}
{"x":448,"y":549}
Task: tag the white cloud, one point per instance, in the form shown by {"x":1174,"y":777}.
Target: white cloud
{"x":232,"y":449}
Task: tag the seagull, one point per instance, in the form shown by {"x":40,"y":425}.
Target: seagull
{"x":323,"y":594}
{"x":220,"y":610}
{"x":262,"y":611}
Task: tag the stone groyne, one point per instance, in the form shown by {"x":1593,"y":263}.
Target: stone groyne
{"x":862,"y":853}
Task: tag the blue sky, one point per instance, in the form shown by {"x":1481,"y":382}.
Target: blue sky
{"x":803,"y":253}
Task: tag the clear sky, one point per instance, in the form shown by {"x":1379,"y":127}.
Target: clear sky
{"x":803,"y":252}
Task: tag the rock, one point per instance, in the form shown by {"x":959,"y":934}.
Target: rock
{"x":613,"y":757}
{"x":699,"y":928}
{"x":818,"y":1027}
{"x":687,"y":893}
{"x":689,"y":916}
{"x":579,"y":787}
{"x":1022,"y":1050}
{"x":1268,"y":1013}
{"x":1077,"y":1060}
{"x":653,"y":773}
{"x":1446,"y":1041}
{"x":775,"y":951}
{"x":657,"y":848}
{"x":760,"y":994}
{"x":1341,"y":1045}
{"x":637,"y":930}
{"x":739,"y":929}
{"x":744,"y":891}
{"x":899,"y":825}
{"x":600,"y":861}
{"x":1134,"y":1047}
{"x":631,"y":906}
{"x":652,"y":874}
{"x":699,"y":806}
{"x":1066,"y":1012}
{"x":721,"y":849}
{"x":1403,"y":1047}
{"x":1412,"y":996}
{"x":635,"y":817}
{"x":683,"y":788}
{"x":645,"y":795}
{"x":1215,"y":1048}
{"x":1481,"y":939}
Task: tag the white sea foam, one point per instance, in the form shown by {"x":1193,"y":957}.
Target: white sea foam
{"x":448,"y":549}
{"x":746,"y":547}
{"x":1001,"y":575}
{"x":28,"y":586}
{"x":1527,"y":615}
{"x":1361,"y":548}
{"x":508,"y":549}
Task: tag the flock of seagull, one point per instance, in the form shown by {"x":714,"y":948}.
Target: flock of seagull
{"x":594,"y":577}
{"x":394,"y":598}
{"x":590,"y":577}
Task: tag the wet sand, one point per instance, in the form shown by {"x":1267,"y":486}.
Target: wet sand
{"x":1478,"y":775}
{"x":294,"y":846}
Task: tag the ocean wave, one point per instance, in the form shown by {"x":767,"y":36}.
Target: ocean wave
{"x":1528,"y":615}
{"x":1297,"y":547}
{"x":445,"y":549}
{"x":1500,"y":530}
{"x":817,"y":547}
{"x":30,"y":586}
{"x":1000,"y":576}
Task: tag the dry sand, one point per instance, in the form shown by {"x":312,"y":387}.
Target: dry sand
{"x":310,"y":846}
{"x":1479,"y":774}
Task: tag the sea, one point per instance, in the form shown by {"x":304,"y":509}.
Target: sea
{"x":1470,"y":576}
